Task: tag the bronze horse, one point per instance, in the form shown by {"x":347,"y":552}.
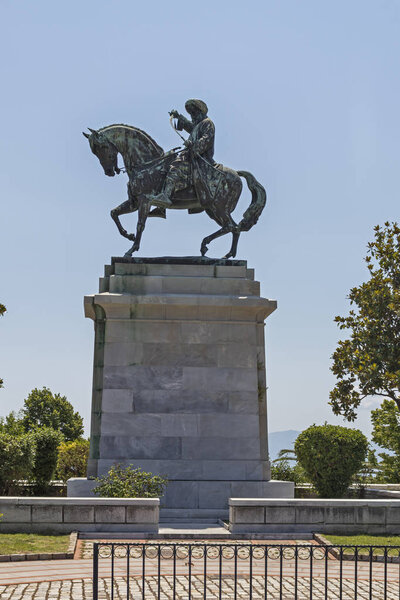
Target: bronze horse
{"x":147,"y":164}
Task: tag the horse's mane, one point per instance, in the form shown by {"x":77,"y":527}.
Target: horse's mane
{"x":146,"y":135}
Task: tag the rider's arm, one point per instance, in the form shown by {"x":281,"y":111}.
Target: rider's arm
{"x":184,"y":123}
{"x":207,"y":138}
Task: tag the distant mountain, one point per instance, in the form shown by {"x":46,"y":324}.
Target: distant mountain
{"x":277,"y":440}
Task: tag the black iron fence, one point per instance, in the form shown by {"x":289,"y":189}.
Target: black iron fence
{"x":250,"y":571}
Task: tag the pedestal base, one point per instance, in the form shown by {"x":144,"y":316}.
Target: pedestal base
{"x":179,"y":379}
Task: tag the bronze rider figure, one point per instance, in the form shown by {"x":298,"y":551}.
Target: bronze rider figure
{"x":199,"y":145}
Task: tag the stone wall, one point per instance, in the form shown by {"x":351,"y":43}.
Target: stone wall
{"x":312,"y":516}
{"x":58,"y":515}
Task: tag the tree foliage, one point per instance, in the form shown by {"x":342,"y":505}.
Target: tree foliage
{"x":72,"y":459}
{"x":46,"y":442}
{"x":43,"y":408}
{"x":16,"y":460}
{"x":12,"y":424}
{"x":386,"y":433}
{"x":282,"y":470}
{"x":128,"y":482}
{"x":330,"y":456}
{"x":2,"y":311}
{"x":368,"y":362}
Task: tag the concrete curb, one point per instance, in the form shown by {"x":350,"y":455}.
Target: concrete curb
{"x":69,"y":554}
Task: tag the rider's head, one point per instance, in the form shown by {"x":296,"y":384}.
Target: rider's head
{"x":196,"y":108}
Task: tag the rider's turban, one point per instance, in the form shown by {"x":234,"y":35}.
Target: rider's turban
{"x":199,"y":104}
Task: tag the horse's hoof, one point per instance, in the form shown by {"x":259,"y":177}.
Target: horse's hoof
{"x":130,"y":236}
{"x":203,"y":250}
{"x":128,"y":254}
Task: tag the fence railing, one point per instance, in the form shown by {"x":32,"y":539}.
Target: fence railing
{"x":250,"y":571}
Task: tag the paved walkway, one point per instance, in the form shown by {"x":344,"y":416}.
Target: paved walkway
{"x":81,"y":589}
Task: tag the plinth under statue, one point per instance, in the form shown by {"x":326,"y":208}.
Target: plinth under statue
{"x":179,"y":364}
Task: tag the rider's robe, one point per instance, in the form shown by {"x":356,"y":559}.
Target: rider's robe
{"x":196,"y":164}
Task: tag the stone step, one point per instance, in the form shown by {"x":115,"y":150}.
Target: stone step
{"x":188,"y":530}
{"x":184,"y":521}
{"x":193,"y":515}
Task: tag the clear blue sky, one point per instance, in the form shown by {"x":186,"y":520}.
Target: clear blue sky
{"x":305,"y":94}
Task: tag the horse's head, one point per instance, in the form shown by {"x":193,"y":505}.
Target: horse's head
{"x":105,"y":150}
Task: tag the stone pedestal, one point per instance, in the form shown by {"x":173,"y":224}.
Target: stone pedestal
{"x":179,"y":378}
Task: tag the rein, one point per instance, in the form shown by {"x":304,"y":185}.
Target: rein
{"x":155,"y":161}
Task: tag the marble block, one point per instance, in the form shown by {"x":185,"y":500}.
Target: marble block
{"x":179,"y":376}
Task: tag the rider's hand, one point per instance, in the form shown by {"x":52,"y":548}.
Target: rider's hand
{"x":174,"y":113}
{"x":188,"y":143}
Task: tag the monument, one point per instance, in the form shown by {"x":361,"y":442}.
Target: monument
{"x":179,"y":363}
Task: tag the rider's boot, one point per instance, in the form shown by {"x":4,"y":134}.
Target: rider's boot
{"x":163,"y":200}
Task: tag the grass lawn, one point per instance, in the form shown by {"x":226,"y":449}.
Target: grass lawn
{"x":25,"y":543}
{"x":366,"y":540}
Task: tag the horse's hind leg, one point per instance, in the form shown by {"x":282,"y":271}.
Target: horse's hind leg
{"x":126,"y":207}
{"x":229,"y":226}
{"x":213,"y":236}
{"x":233,"y":250}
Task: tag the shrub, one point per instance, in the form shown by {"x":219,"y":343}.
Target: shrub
{"x":16,"y":460}
{"x":128,"y":482}
{"x":283,"y":471}
{"x":330,"y":456}
{"x":46,"y":441}
{"x":72,"y":459}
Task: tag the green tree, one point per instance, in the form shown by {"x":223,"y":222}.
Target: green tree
{"x":386,"y":433}
{"x":12,"y":424}
{"x":330,"y":456}
{"x":2,"y":311}
{"x":128,"y":482}
{"x":72,"y":459}
{"x":368,"y":362}
{"x":46,"y":442}
{"x":43,"y":408}
{"x":16,"y":460}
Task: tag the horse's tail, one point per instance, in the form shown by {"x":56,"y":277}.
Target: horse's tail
{"x":258,"y":200}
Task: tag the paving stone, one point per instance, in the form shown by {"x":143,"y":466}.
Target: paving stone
{"x":82,"y":588}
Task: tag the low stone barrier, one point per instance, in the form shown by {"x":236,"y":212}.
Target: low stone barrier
{"x":255,"y":515}
{"x":59,"y":515}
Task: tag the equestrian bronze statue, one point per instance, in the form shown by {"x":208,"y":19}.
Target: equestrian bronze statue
{"x":183,"y":178}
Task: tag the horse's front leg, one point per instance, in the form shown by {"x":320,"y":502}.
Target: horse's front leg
{"x":126,"y":207}
{"x":143,"y":212}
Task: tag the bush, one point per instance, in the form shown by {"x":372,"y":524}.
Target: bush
{"x":330,"y":456}
{"x":283,"y":471}
{"x":16,"y":460}
{"x":46,"y":441}
{"x":72,"y":459}
{"x":128,"y":482}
